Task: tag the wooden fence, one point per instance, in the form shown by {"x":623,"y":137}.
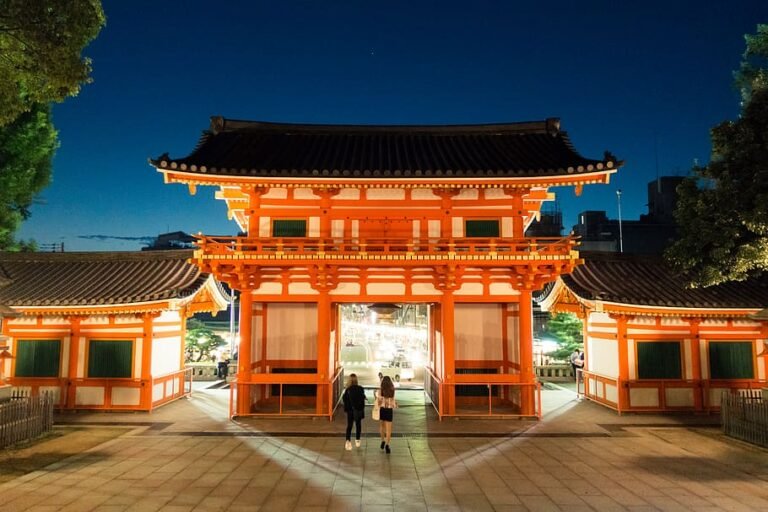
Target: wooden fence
{"x":745,"y":416}
{"x":23,"y":418}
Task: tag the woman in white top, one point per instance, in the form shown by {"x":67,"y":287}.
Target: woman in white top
{"x":385,"y":399}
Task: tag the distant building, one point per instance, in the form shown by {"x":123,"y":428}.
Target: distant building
{"x":171,"y":241}
{"x":549,"y":223}
{"x":651,"y":234}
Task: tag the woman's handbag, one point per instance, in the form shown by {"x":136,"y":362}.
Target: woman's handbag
{"x":375,"y":412}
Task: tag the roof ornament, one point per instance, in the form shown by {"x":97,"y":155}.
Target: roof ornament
{"x":217,"y":124}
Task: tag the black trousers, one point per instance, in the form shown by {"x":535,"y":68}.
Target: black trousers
{"x":358,"y":425}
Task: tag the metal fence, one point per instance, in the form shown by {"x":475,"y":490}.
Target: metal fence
{"x":745,"y":416}
{"x":23,"y":418}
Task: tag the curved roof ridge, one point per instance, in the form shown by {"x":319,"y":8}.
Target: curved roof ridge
{"x":220,"y":124}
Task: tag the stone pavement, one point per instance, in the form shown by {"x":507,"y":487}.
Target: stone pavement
{"x":187,"y":456}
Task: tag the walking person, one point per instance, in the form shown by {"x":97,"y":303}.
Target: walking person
{"x":354,"y":405}
{"x":385,"y":400}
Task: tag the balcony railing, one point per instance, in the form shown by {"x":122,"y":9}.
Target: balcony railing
{"x":524,"y":249}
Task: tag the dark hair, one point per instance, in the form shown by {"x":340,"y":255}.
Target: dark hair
{"x":387,"y":387}
{"x":352,"y":380}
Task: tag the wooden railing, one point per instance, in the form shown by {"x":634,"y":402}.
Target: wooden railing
{"x":556,"y":248}
{"x":660,"y":396}
{"x":25,"y":417}
{"x":268,"y":404}
{"x":503,"y":399}
{"x":745,"y":416}
{"x":171,"y":386}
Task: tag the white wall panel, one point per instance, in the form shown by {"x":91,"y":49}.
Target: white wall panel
{"x":477,"y":330}
{"x":292,"y":331}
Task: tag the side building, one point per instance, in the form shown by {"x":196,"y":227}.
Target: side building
{"x":652,"y":344}
{"x":102,"y":330}
{"x":432,"y":215}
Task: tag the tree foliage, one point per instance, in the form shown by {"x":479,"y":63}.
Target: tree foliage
{"x":567,"y":329}
{"x":722,"y":211}
{"x":201,"y":341}
{"x":40,"y":51}
{"x":27,"y":146}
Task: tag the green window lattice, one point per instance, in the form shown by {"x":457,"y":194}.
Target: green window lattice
{"x":659,"y":360}
{"x":38,"y":358}
{"x":482,"y":228}
{"x":110,"y":358}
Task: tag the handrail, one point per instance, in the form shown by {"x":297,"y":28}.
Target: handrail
{"x":436,"y":247}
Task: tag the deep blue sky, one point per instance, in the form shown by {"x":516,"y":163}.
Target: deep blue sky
{"x":619,"y":75}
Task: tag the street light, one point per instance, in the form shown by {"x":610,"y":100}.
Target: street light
{"x":621,"y":234}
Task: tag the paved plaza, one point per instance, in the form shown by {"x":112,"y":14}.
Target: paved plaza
{"x":188,"y":457}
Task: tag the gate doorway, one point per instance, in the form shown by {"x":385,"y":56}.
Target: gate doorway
{"x":385,"y":339}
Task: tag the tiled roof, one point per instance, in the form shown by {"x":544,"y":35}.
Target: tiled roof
{"x":80,"y":279}
{"x":648,"y":281}
{"x":245,"y":148}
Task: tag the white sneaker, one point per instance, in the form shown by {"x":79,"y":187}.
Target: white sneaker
{"x":348,"y":445}
{"x":357,"y":443}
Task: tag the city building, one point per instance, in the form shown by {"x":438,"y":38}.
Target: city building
{"x":652,"y":343}
{"x":102,"y":330}
{"x":372,"y":215}
{"x":651,"y":234}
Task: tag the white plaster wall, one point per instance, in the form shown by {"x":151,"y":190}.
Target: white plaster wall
{"x":166,"y":355}
{"x":468,"y":193}
{"x":423,"y":193}
{"x":126,"y":396}
{"x":513,"y":335}
{"x":265,"y":227}
{"x":337,"y":228}
{"x":395,"y":194}
{"x":423,"y":289}
{"x":631,"y":351}
{"x":644,"y":397}
{"x":346,"y":289}
{"x":475,"y":289}
{"x":269,"y":289}
{"x":679,"y":397}
{"x":457,"y":227}
{"x":385,"y":288}
{"x":348,"y":193}
{"x":138,"y":355}
{"x":434,"y":229}
{"x":292,"y":331}
{"x":89,"y":395}
{"x":603,"y":357}
{"x":276,"y":193}
{"x":506,"y":227}
{"x":304,"y":193}
{"x":477,"y":330}
{"x":313,"y":227}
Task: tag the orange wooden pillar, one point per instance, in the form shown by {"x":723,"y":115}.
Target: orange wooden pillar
{"x":74,"y":350}
{"x":448,"y":405}
{"x":623,"y":350}
{"x":698,"y":390}
{"x":323,"y":350}
{"x":245,"y":356}
{"x":525,"y":321}
{"x":146,"y":362}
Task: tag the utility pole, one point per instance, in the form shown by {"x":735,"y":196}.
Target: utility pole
{"x":621,"y":234}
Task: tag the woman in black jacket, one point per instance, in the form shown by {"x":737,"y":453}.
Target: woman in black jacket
{"x":354,"y":405}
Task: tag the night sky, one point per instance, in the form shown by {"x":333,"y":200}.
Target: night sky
{"x":645,"y":80}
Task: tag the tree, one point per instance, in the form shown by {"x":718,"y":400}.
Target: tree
{"x":566,"y":328}
{"x":27,"y":146}
{"x":40,"y":62}
{"x":201,"y":341}
{"x":40,"y":51}
{"x":722,"y":211}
